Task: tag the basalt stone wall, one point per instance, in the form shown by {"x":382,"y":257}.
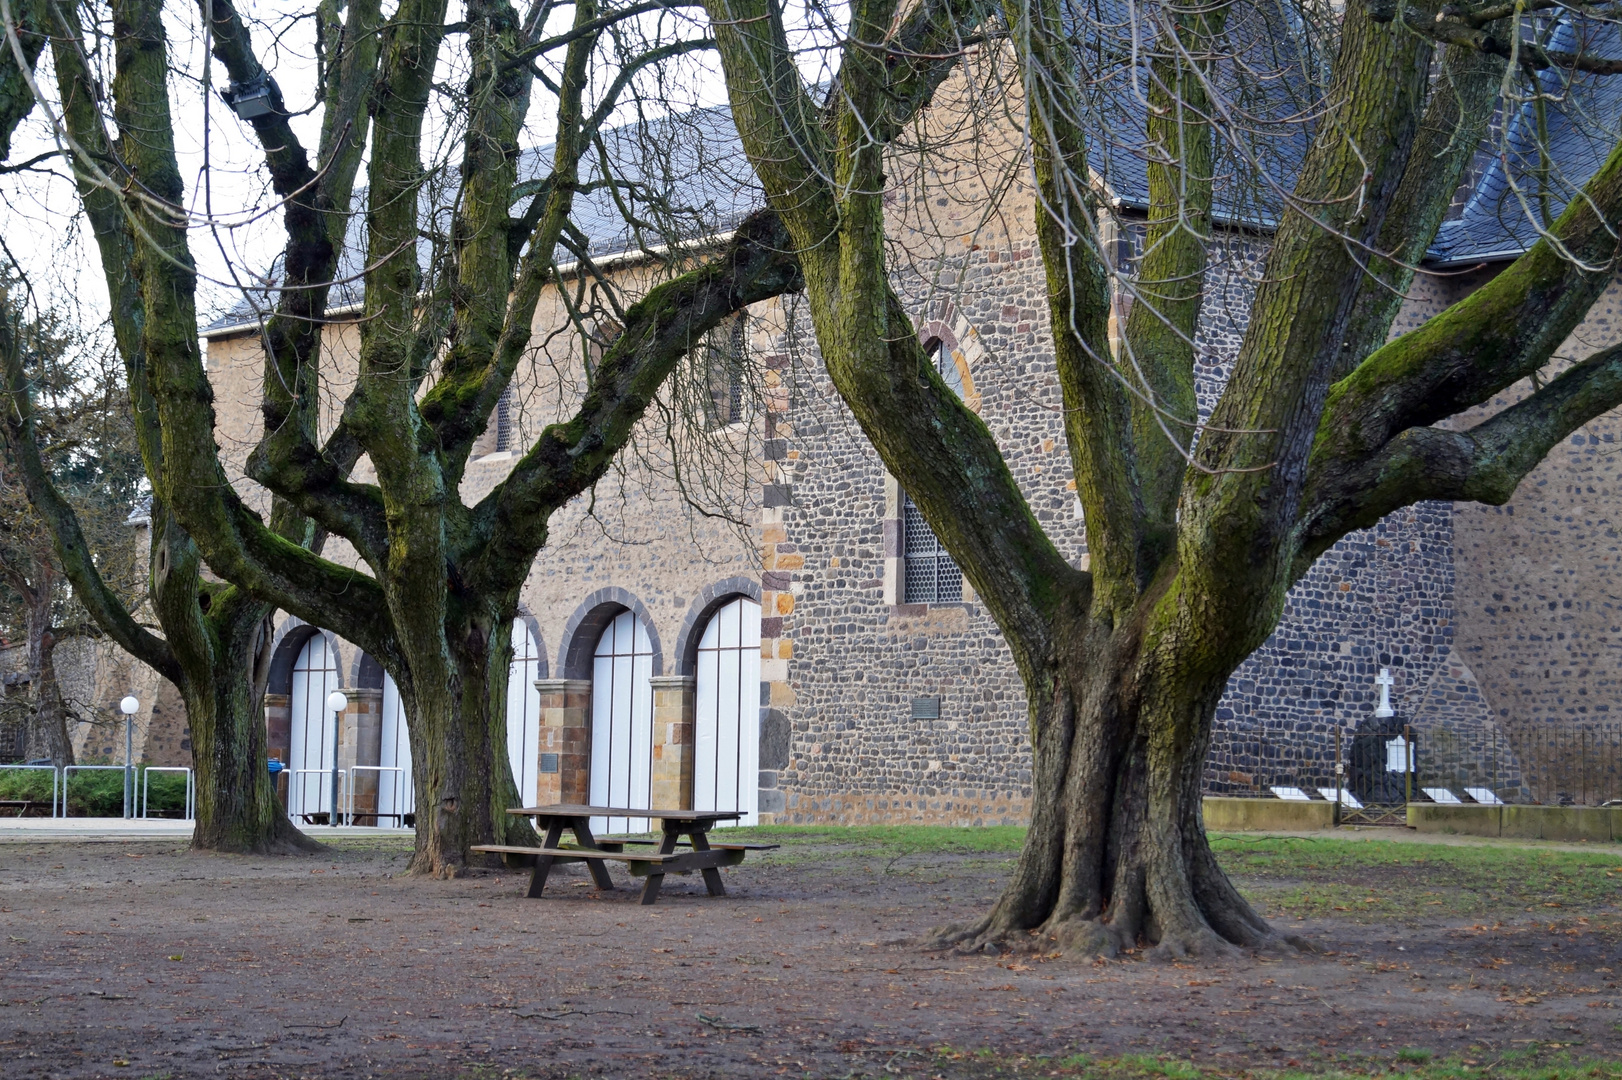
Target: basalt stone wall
{"x":1458,"y":744}
{"x":1382,"y":597}
{"x":1540,"y":594}
{"x":856,"y":748}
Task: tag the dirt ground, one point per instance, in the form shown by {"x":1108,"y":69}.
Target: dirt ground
{"x":144,"y":960}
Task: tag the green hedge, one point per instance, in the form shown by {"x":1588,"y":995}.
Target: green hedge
{"x":97,"y":793}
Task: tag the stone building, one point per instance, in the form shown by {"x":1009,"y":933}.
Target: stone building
{"x":812,"y":655}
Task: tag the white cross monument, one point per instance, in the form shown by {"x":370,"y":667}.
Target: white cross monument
{"x":1385,"y":682}
{"x":1396,"y":750}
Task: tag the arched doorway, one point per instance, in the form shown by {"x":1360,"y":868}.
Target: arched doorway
{"x":622,"y":722}
{"x":396,"y":795}
{"x":313,"y":734}
{"x":726,"y":750}
{"x":524,"y":712}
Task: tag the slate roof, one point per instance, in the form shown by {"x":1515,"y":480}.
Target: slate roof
{"x":1492,"y":220}
{"x":1262,"y":75}
{"x":1582,"y":111}
{"x":685,"y":177}
{"x":680,"y":179}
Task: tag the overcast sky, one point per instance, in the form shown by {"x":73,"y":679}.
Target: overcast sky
{"x":237,"y":229}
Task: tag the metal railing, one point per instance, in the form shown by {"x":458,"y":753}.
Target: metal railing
{"x":1552,"y":763}
{"x":67,"y":779}
{"x":327,"y":781}
{"x":56,"y":781}
{"x":396,"y":788}
{"x":1367,"y":790}
{"x":1577,"y":764}
{"x":189,"y":805}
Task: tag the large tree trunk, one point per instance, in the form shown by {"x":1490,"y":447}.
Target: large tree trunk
{"x":237,"y":806}
{"x":216,"y":634}
{"x":1116,"y":858}
{"x":464,"y":783}
{"x":48,"y":726}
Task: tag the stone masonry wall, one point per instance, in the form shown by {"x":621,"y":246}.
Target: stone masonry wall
{"x":1383,"y":597}
{"x":1540,"y":594}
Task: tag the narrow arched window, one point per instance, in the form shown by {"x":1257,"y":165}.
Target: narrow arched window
{"x":725,"y":358}
{"x":506,"y":429}
{"x":929,"y":576}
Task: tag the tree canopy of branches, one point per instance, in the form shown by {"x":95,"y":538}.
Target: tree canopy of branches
{"x":440,"y":338}
{"x":1197,"y":526}
{"x":88,"y":441}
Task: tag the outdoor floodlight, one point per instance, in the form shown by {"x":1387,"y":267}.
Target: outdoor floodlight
{"x":336,"y":702}
{"x":259,"y":96}
{"x":129,"y":706}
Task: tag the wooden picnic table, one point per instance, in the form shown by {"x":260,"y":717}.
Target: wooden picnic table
{"x":704,"y":857}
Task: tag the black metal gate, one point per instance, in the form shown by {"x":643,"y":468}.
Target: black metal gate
{"x":1375,"y":767}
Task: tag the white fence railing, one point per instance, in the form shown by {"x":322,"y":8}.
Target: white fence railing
{"x":398,"y":802}
{"x":67,"y":779}
{"x":189,"y":805}
{"x":56,"y":784}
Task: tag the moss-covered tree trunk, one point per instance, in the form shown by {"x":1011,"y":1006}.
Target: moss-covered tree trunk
{"x":50,"y":722}
{"x":464,"y":784}
{"x":213,"y":634}
{"x":1193,"y":543}
{"x":1117,"y":857}
{"x":216,"y":635}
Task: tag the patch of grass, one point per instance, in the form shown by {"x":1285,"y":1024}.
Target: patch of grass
{"x":1410,"y":1063}
{"x":1387,"y":880}
{"x":807,"y":844}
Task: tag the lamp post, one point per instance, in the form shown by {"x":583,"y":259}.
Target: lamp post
{"x":129,"y":707}
{"x":336,"y":703}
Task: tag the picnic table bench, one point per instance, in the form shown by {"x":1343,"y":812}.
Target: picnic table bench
{"x":29,"y":807}
{"x":695,"y":825}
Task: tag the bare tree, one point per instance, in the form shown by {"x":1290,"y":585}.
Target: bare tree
{"x":441,"y":336}
{"x":1196,"y":526}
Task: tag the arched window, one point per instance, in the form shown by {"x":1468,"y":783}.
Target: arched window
{"x":928,"y":574}
{"x":726,"y":737}
{"x":940,"y":357}
{"x":396,"y":793}
{"x":622,"y":723}
{"x":313,"y":739}
{"x":726,"y":370}
{"x":524,"y":712}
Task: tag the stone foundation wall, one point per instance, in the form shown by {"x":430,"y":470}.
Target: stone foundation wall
{"x":965,"y":806}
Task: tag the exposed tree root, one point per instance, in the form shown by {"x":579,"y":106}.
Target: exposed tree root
{"x":287,"y":841}
{"x":968,"y":937}
{"x":1078,"y":936}
{"x":1200,"y":943}
{"x":1083,"y":937}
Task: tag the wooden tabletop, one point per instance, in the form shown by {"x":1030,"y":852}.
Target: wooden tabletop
{"x":577,"y":810}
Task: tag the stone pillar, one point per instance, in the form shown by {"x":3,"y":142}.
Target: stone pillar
{"x":279,"y":735}
{"x":360,"y":742}
{"x":278,"y":725}
{"x":565,"y":744}
{"x":672,"y":786}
